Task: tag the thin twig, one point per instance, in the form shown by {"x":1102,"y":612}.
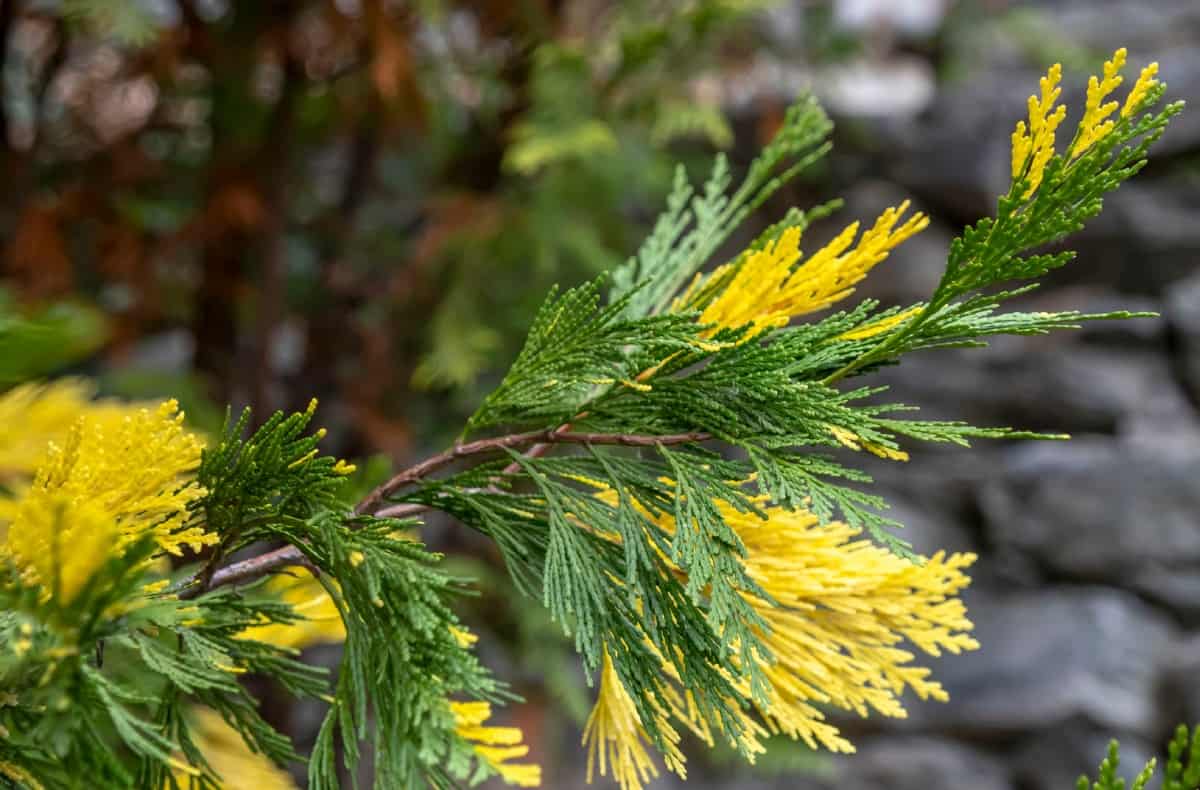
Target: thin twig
{"x":512,"y":442}
{"x":256,"y":567}
{"x":404,"y":510}
{"x":246,"y":570}
{"x":537,"y":451}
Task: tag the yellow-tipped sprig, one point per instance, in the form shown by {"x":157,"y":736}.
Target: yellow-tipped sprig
{"x":773,"y":285}
{"x":497,"y":747}
{"x":1033,"y":143}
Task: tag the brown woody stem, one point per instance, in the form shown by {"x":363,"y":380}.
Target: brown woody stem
{"x":538,"y":442}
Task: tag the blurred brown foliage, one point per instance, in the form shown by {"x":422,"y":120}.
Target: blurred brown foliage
{"x":352,"y":200}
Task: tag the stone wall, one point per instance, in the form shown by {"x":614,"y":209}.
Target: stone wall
{"x":1087,"y":591}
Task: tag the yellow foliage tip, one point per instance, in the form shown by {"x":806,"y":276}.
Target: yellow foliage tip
{"x":1095,"y":125}
{"x":1137,"y":94}
{"x":615,"y":738}
{"x":106,"y":485}
{"x":883,"y":451}
{"x":853,"y":441}
{"x":874,"y":328}
{"x":1033,"y":145}
{"x":59,"y":543}
{"x":769,"y":289}
{"x":838,"y":611}
{"x":153,"y":588}
{"x":495,"y":746}
{"x":320,"y":622}
{"x":463,"y":637}
{"x":311,"y":454}
{"x":229,"y":756}
{"x":35,"y":415}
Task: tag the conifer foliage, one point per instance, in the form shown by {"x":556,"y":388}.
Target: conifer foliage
{"x":656,"y":468}
{"x":1182,"y":766}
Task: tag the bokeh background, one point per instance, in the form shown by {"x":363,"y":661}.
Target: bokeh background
{"x":259,"y":201}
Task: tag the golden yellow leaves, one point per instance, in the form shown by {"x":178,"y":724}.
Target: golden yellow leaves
{"x":768,"y":289}
{"x":230,"y":757}
{"x":59,"y":545}
{"x":35,"y":414}
{"x":496,"y":746}
{"x":616,"y":738}
{"x":321,"y":623}
{"x":1137,"y":94}
{"x":1033,"y":146}
{"x":842,"y":618}
{"x":853,"y":441}
{"x":882,"y":325}
{"x":843,"y":610}
{"x":1095,"y":123}
{"x":109,"y":483}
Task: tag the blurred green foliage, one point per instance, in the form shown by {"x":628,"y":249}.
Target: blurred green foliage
{"x":369,"y":198}
{"x":38,"y":340}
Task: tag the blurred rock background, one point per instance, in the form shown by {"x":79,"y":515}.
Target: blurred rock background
{"x":255,"y":202}
{"x":1086,"y":591}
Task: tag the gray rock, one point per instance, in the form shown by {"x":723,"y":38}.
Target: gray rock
{"x":916,"y":763}
{"x":915,"y":18}
{"x":1048,"y":657}
{"x":929,"y":529}
{"x":1183,"y":316}
{"x":1182,"y":688}
{"x":1044,"y":384}
{"x":873,"y":88}
{"x":1183,"y":307}
{"x":1154,"y":215}
{"x":1146,"y":238}
{"x":1104,"y":25}
{"x":940,"y":483}
{"x":168,"y":352}
{"x":1104,"y":511}
{"x":1053,"y":759}
{"x":881,"y":762}
{"x":956,"y":155}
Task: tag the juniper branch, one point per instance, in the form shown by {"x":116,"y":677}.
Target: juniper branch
{"x":512,"y":442}
{"x":255,"y":567}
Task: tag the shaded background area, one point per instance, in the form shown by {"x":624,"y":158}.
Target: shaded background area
{"x":363,"y":200}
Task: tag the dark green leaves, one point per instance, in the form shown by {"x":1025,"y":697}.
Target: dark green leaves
{"x":575,"y":352}
{"x":277,"y":472}
{"x":623,"y":596}
{"x":404,"y":656}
